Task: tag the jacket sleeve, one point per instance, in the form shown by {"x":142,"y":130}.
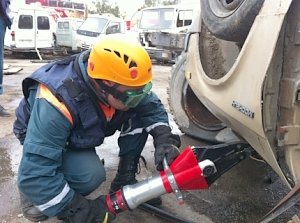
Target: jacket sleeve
{"x":6,"y":12}
{"x":152,"y":112}
{"x":39,"y":176}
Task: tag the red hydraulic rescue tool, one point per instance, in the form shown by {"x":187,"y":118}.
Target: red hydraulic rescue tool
{"x":194,"y":169}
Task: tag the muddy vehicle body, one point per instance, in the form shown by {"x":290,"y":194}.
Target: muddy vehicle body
{"x":238,"y":79}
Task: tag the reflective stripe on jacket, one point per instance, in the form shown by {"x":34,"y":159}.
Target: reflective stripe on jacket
{"x":43,"y":92}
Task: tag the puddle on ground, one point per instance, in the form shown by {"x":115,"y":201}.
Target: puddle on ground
{"x":6,"y":171}
{"x":10,"y":156}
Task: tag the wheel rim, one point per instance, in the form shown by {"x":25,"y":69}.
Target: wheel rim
{"x":224,"y":8}
{"x":198,"y":113}
{"x":230,"y":4}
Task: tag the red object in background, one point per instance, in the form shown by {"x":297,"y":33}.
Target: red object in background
{"x":61,"y":12}
{"x":13,"y":35}
{"x":43,"y":2}
{"x":128,"y":24}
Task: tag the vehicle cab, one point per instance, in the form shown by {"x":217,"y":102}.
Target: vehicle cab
{"x":162,"y":29}
{"x":96,"y":26}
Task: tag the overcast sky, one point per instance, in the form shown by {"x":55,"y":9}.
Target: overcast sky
{"x":129,"y":6}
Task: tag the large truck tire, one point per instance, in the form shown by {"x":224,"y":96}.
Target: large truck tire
{"x":289,"y":108}
{"x":230,"y":20}
{"x":191,"y":116}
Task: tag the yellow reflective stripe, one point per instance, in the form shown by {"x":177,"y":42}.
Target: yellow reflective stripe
{"x":44,"y":92}
{"x":105,"y":218}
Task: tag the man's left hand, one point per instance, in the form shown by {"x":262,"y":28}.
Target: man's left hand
{"x":165,"y":150}
{"x":166,"y":145}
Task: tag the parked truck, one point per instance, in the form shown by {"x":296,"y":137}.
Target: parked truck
{"x":66,"y":29}
{"x":238,"y":79}
{"x":162,"y":29}
{"x":95,"y":27}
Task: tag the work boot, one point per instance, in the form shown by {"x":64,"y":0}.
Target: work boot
{"x":30,"y":212}
{"x":127,"y":170}
{"x":3,"y":112}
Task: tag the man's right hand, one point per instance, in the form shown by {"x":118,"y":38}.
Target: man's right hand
{"x":84,"y":210}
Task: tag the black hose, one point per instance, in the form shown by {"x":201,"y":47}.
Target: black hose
{"x":162,"y":213}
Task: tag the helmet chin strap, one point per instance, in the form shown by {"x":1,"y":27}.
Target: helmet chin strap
{"x":92,"y":86}
{"x":99,"y":92}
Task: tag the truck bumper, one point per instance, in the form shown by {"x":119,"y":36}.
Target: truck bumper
{"x":161,"y":54}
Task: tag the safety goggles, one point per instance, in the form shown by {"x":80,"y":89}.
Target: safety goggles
{"x":134,"y":97}
{"x":130,"y":98}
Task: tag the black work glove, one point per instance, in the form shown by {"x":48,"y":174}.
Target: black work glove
{"x":166,"y":145}
{"x":84,"y":210}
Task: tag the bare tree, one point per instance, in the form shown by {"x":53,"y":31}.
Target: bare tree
{"x":170,"y":2}
{"x":103,"y":6}
{"x":150,"y":3}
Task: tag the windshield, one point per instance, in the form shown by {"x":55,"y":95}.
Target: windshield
{"x":93,"y":24}
{"x":160,"y":18}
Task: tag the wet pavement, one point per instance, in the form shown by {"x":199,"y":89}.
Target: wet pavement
{"x":244,"y":194}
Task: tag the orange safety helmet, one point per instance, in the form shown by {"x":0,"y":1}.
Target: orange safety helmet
{"x":121,"y":61}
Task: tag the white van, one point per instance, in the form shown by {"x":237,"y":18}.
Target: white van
{"x":95,"y":26}
{"x":32,"y":29}
{"x":66,"y":32}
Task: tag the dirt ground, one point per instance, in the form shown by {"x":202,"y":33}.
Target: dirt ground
{"x":244,"y":194}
